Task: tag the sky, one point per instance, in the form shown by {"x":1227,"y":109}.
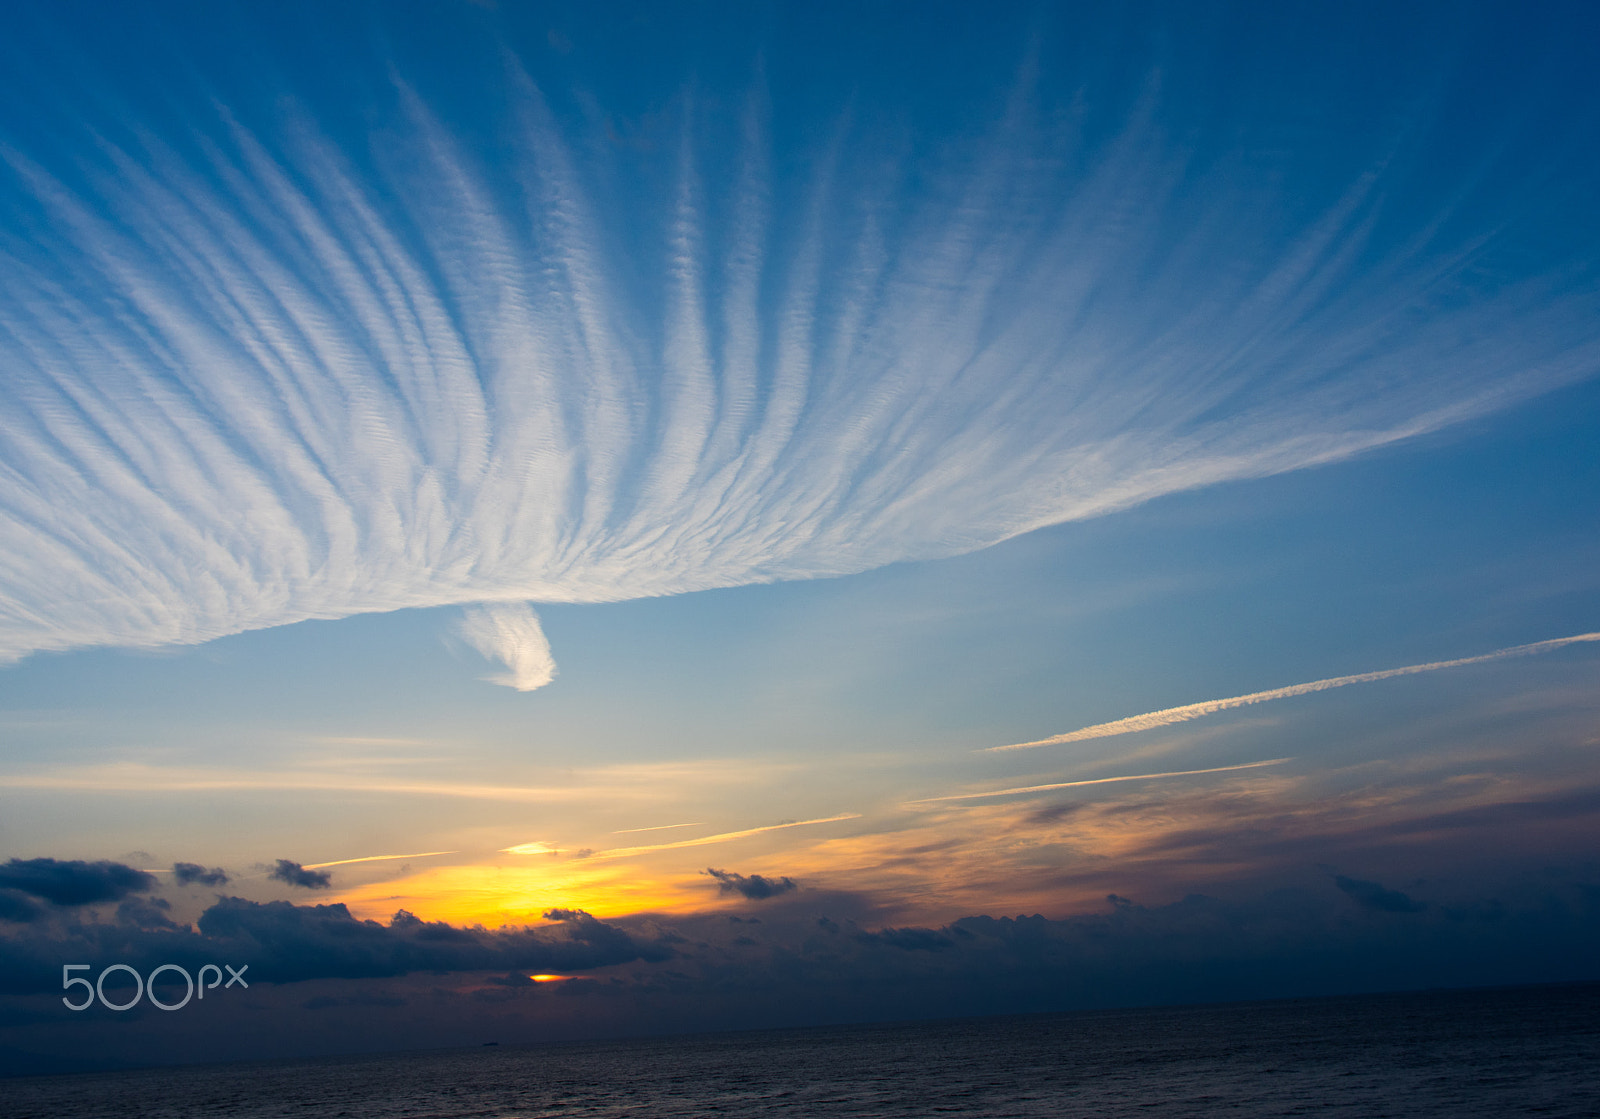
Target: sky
{"x":527,"y":521}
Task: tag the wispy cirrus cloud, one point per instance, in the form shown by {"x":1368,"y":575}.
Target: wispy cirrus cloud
{"x":607,"y":785}
{"x":1027,"y":789}
{"x":259,"y":374}
{"x":375,"y":859}
{"x":720,"y":837}
{"x":1152,"y":720}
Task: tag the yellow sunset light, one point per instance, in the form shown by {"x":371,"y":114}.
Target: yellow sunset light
{"x":521,"y":893}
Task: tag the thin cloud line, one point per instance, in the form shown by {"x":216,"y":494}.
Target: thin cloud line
{"x":139,"y":780}
{"x":723,"y":837}
{"x":1151,"y":720}
{"x":1100,"y":781}
{"x":659,"y":827}
{"x":374,"y":859}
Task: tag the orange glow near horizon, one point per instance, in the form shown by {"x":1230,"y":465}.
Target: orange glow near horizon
{"x":494,"y":895}
{"x":959,"y":855}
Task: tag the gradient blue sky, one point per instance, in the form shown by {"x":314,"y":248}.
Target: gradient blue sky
{"x":849,"y":390}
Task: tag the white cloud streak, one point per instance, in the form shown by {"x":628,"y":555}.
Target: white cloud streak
{"x":1094,"y":781}
{"x":376,"y":859}
{"x":510,"y":634}
{"x":134,"y":779}
{"x":258,"y":377}
{"x":721,"y":837}
{"x":537,"y":847}
{"x":1152,"y":720}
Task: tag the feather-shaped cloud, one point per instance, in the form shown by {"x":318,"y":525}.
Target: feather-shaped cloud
{"x":255,"y":375}
{"x":511,"y":635}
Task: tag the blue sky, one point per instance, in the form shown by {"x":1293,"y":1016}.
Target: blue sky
{"x":791,"y":405}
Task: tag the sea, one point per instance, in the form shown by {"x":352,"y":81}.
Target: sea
{"x":1503,"y":1052}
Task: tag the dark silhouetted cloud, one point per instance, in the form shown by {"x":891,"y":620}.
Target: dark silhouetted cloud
{"x":72,"y":881}
{"x":297,"y":875}
{"x":607,"y":940}
{"x":1370,"y":895}
{"x":286,"y":943}
{"x":909,"y":939}
{"x":821,"y":957}
{"x":18,"y":907}
{"x":146,"y":913}
{"x":190,"y":874}
{"x":756,"y":887}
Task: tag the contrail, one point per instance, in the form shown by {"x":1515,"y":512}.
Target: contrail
{"x":723,"y":837}
{"x":1150,"y":720}
{"x":1100,"y":781}
{"x":659,"y":827}
{"x":374,"y":859}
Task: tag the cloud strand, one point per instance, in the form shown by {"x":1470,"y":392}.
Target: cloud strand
{"x":1098,"y":781}
{"x":1152,"y":720}
{"x":723,"y":837}
{"x":375,"y":859}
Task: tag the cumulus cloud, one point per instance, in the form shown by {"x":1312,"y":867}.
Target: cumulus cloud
{"x":257,"y":376}
{"x":296,"y":875}
{"x":1371,"y":895}
{"x":1152,"y":720}
{"x":287,"y":943}
{"x":908,"y":939}
{"x":824,"y":957}
{"x":73,"y":882}
{"x":17,"y":907}
{"x":1252,"y":943}
{"x":755,"y":887}
{"x":510,"y":634}
{"x":190,"y":874}
{"x":146,"y":913}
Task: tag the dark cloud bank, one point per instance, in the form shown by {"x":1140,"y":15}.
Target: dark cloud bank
{"x":29,"y":886}
{"x":296,"y":875}
{"x":287,"y":943}
{"x":326,"y":981}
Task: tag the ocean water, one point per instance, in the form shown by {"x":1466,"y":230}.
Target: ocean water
{"x":1526,"y":1051}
